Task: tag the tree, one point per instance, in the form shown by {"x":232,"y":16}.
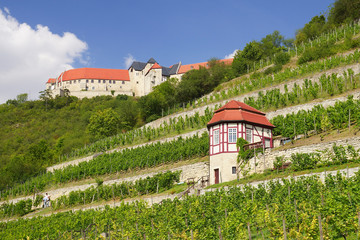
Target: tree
{"x":161,"y":98}
{"x":272,"y":44}
{"x":312,"y":29}
{"x":129,"y":114}
{"x":21,"y":98}
{"x":104,"y":123}
{"x":244,"y":59}
{"x":344,"y":11}
{"x":194,"y":84}
{"x":46,"y":96}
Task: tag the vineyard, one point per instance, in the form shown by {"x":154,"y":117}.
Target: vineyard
{"x":118,"y":162}
{"x":301,"y":209}
{"x":316,"y":120}
{"x":156,"y":184}
{"x":176,"y":125}
{"x":308,"y":207}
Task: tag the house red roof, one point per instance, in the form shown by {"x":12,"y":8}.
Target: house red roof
{"x":188,"y":67}
{"x":235,"y":111}
{"x":95,"y":73}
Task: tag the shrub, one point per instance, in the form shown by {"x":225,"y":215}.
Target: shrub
{"x":315,"y":53}
{"x":302,"y":161}
{"x":279,"y":162}
{"x":282,"y":58}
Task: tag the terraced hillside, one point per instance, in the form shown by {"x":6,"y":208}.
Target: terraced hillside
{"x":152,"y":182}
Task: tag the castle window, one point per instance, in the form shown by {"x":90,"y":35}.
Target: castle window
{"x":114,"y":82}
{"x":99,"y":81}
{"x":232,"y":135}
{"x":92,"y":80}
{"x":70,"y":82}
{"x":123,"y":82}
{"x":93,"y":88}
{"x":233,"y":170}
{"x":216,"y":137}
{"x":137,"y":82}
{"x":104,"y":81}
{"x":87,"y":80}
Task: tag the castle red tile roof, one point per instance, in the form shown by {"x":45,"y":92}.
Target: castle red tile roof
{"x":155,"y":66}
{"x":188,"y":67}
{"x":235,"y":111}
{"x":51,"y":80}
{"x":95,"y":73}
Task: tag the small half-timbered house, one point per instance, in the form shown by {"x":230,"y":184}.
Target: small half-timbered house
{"x":232,"y":121}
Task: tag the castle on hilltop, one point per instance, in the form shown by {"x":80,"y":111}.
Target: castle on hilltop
{"x":138,"y":80}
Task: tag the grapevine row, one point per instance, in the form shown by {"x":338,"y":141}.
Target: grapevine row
{"x":118,"y":162}
{"x":155,"y":184}
{"x":299,"y":208}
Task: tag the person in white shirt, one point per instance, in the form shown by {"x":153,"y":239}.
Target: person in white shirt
{"x":45,"y":201}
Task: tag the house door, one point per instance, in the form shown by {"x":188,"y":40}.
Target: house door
{"x":216,"y":171}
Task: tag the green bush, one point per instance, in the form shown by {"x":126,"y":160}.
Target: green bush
{"x":315,"y":53}
{"x":282,"y":58}
{"x":302,"y":161}
{"x":279,"y":162}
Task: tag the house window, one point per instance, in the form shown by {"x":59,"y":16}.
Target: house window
{"x":123,"y":82}
{"x":232,"y":135}
{"x":99,"y":81}
{"x":104,"y":81}
{"x":216,"y":137}
{"x":93,"y":88}
{"x":248,"y":135}
{"x":114,"y":82}
{"x":92,"y":80}
{"x":233,"y":170}
{"x":70,"y":82}
{"x":87,"y":80}
{"x":267,"y":143}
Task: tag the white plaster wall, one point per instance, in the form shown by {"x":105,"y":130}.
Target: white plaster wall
{"x":224,"y":162}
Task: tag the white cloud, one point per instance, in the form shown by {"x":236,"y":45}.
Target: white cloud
{"x":231,"y":55}
{"x":128,"y":60}
{"x":7,"y":10}
{"x":29,"y":57}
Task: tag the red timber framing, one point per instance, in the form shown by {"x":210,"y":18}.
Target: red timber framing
{"x":224,"y":146}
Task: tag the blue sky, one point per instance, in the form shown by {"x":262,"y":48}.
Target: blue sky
{"x":105,"y":33}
